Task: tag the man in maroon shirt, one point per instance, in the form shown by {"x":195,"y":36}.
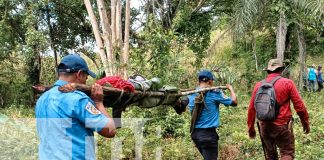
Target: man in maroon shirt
{"x":278,"y":132}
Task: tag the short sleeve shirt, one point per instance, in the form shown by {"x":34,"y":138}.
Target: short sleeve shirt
{"x":209,"y":117}
{"x":65,"y":124}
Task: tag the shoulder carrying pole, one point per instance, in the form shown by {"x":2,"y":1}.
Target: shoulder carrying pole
{"x":115,"y":91}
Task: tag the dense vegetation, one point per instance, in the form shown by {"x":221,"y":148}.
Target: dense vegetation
{"x":171,"y":40}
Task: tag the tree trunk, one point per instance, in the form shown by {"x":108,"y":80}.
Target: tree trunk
{"x":32,"y":54}
{"x":105,"y":24}
{"x":51,"y":34}
{"x":281,"y":36}
{"x":199,"y":5}
{"x":96,"y":32}
{"x":113,"y":23}
{"x":302,"y":56}
{"x":254,"y":52}
{"x":119,"y":23}
{"x":119,"y":39}
{"x":287,"y":53}
{"x":126,"y":40}
{"x":33,"y":70}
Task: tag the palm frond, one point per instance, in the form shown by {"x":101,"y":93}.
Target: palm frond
{"x":311,"y":7}
{"x":246,"y":15}
{"x":316,"y":8}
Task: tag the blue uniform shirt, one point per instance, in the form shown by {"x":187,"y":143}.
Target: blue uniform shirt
{"x":65,"y":124}
{"x":209,"y":117}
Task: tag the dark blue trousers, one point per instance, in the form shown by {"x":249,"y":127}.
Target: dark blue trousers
{"x":206,"y":140}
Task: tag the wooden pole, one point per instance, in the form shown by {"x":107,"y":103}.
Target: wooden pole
{"x":115,"y":91}
{"x":202,"y":90}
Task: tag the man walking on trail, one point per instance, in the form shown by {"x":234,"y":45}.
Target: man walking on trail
{"x":319,"y":78}
{"x":204,"y":108}
{"x":66,"y":121}
{"x":312,"y":78}
{"x":277,"y":132}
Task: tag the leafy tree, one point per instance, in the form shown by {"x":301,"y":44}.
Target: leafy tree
{"x":66,"y":27}
{"x":253,"y":17}
{"x":26,"y":26}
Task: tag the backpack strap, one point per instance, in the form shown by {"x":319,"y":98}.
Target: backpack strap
{"x":277,"y":104}
{"x":275,"y":80}
{"x":263,"y":81}
{"x":196,"y":112}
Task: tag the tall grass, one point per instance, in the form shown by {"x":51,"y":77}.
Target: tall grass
{"x":166,"y":134}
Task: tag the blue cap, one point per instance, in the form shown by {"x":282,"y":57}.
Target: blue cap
{"x":74,"y":63}
{"x":206,"y":74}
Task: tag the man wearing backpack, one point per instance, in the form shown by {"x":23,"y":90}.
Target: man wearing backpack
{"x":275,"y":126}
{"x":204,"y":109}
{"x":312,"y":76}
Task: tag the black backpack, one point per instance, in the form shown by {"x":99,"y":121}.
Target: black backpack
{"x":265,"y":103}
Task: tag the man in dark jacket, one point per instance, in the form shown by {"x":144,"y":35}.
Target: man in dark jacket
{"x":319,"y":78}
{"x":278,"y":132}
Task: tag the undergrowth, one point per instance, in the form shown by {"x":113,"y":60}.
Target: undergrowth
{"x":166,"y":134}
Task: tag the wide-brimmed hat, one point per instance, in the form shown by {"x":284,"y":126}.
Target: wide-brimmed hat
{"x":274,"y":64}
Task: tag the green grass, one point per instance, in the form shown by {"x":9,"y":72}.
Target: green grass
{"x":166,"y":134}
{"x":18,"y":139}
